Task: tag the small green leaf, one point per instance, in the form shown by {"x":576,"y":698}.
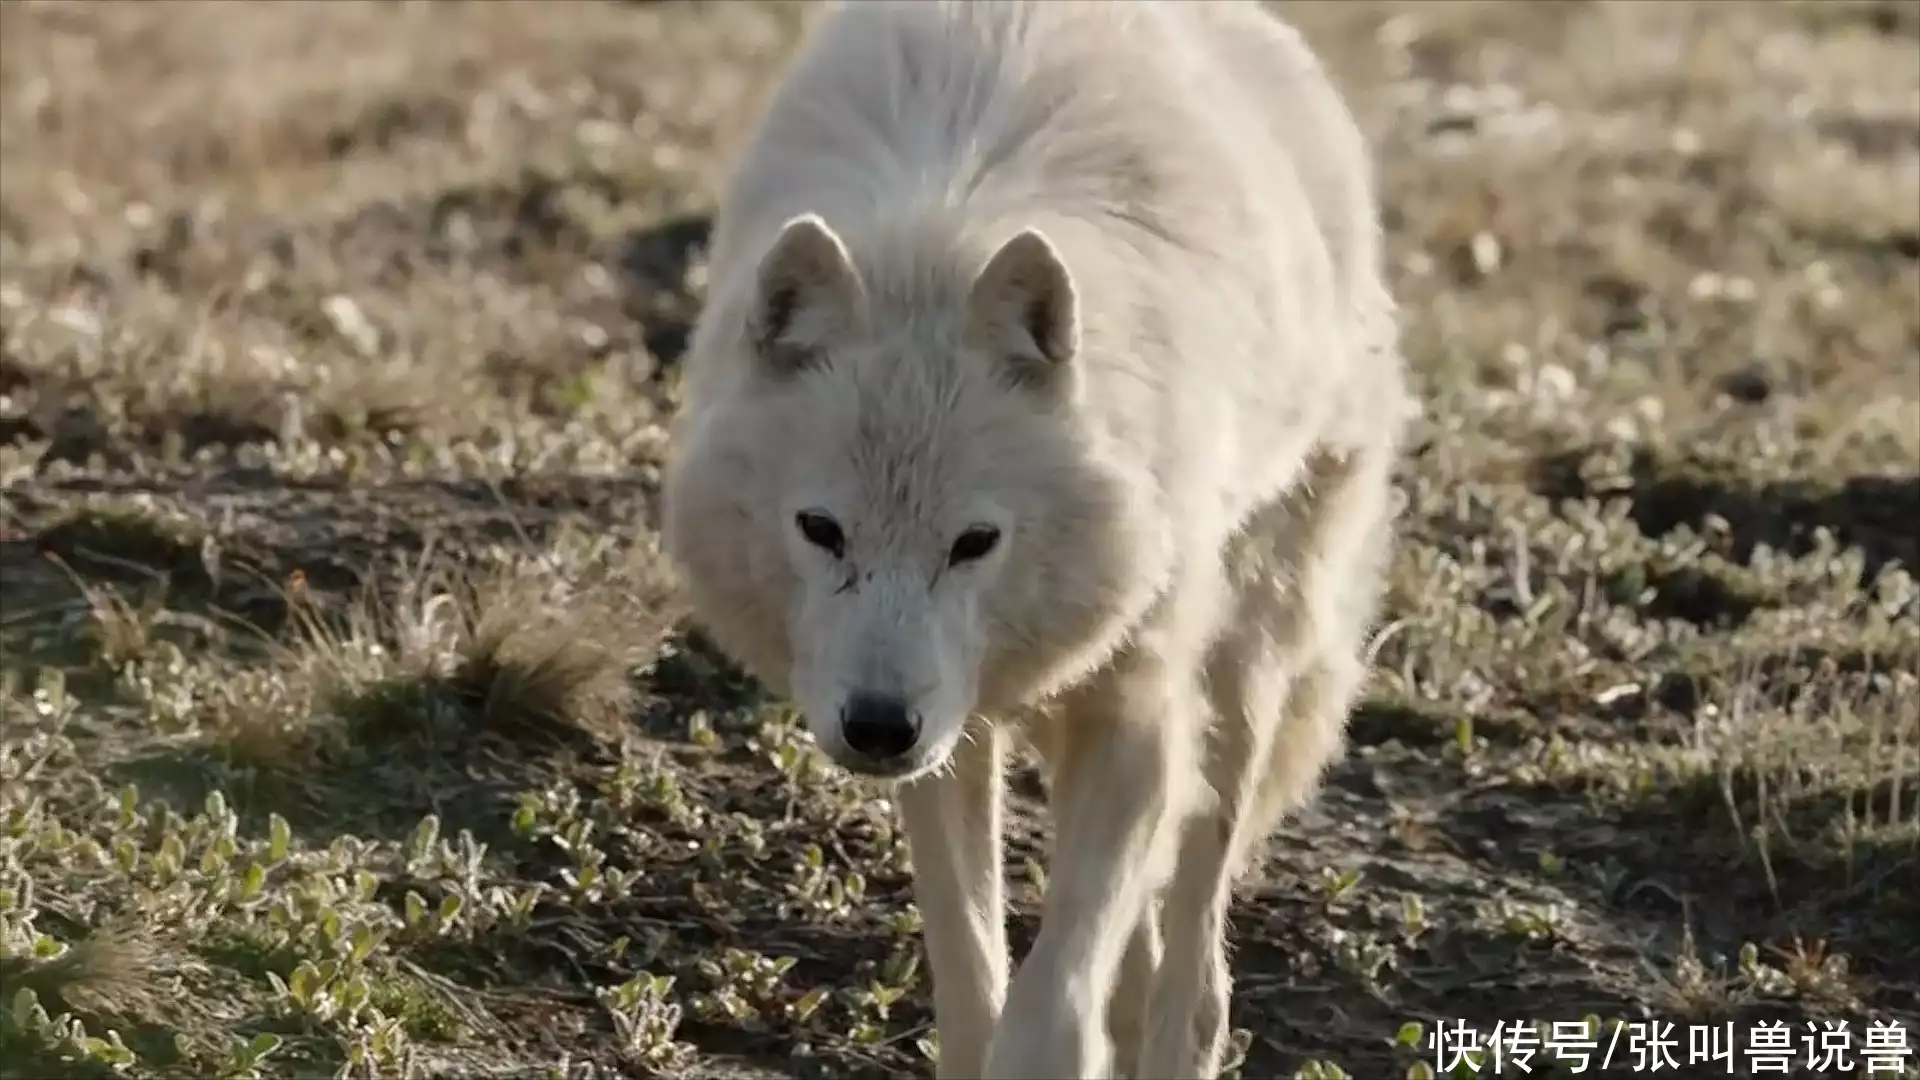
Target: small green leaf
{"x":27,"y":1010}
{"x":263,"y":1046}
{"x":809,"y":1002}
{"x":424,"y":836}
{"x":279,"y":839}
{"x":300,"y":985}
{"x":365,"y":940}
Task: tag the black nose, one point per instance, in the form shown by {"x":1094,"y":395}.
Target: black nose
{"x":878,"y":726}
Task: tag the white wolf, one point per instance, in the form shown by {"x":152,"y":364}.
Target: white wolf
{"x":1048,"y":383}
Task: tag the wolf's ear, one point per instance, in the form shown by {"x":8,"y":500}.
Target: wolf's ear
{"x":806,"y":289}
{"x":1023,"y":307}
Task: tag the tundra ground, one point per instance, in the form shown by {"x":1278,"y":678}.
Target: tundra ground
{"x":350,"y":726}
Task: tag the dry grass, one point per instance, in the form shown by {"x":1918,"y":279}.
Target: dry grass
{"x":348,"y":727}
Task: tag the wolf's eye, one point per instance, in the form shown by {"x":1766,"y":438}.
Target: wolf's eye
{"x":973,"y":544}
{"x":822,"y":532}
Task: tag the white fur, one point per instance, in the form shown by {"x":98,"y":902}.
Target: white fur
{"x":1104,"y":277}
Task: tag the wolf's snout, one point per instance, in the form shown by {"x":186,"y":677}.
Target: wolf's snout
{"x":879,"y":726}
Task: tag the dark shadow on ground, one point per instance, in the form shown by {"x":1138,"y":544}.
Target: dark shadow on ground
{"x":657,"y":261}
{"x":1873,"y":513}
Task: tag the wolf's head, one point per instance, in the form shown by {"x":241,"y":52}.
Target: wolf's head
{"x":894,"y":515}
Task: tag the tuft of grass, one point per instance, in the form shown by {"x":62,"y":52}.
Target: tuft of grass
{"x":519,"y":652}
{"x":107,"y":975}
{"x":532,"y":667}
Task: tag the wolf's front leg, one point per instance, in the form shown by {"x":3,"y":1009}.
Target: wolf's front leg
{"x":1125,"y":779}
{"x":953,"y":832}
